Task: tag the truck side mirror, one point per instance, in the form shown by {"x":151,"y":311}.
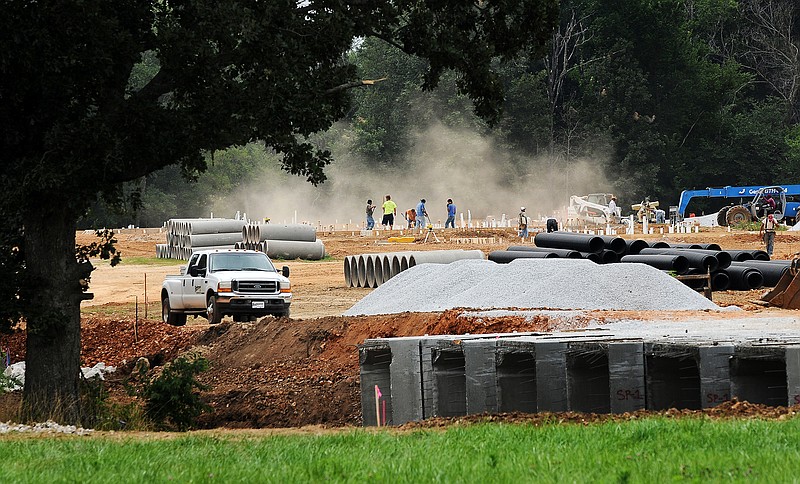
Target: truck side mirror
{"x":285,"y":271}
{"x":193,"y":271}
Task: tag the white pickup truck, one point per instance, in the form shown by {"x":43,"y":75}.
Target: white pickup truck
{"x":219,"y":282}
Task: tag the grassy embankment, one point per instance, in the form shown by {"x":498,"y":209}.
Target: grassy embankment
{"x":650,"y":450}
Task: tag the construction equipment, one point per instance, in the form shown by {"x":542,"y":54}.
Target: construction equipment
{"x":646,"y":209}
{"x":592,"y":208}
{"x":786,"y":294}
{"x":750,"y":202}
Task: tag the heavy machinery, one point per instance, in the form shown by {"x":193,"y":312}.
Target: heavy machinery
{"x":786,"y":293}
{"x":646,"y":209}
{"x":591,"y":208}
{"x":751,"y":202}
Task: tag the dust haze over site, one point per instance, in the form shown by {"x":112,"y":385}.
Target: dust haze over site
{"x":442,"y":163}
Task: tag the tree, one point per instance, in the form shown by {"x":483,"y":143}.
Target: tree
{"x":77,"y":123}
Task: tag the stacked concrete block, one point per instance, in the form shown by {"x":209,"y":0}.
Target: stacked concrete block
{"x":448,"y":376}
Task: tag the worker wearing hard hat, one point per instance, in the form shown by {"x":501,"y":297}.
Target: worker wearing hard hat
{"x":523,"y":223}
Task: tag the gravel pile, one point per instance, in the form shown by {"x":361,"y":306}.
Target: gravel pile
{"x":48,"y":427}
{"x":530,"y":283}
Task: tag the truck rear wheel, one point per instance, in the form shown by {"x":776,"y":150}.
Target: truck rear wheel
{"x":722,"y":217}
{"x":738,"y":215}
{"x":213,"y":313}
{"x":169,"y":316}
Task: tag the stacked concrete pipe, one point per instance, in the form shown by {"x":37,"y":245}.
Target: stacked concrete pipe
{"x":372,"y":270}
{"x":285,"y":241}
{"x":184,"y":236}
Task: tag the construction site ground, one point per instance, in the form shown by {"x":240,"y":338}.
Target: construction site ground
{"x":304,"y":370}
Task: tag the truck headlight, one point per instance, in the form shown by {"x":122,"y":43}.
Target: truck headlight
{"x":286,"y":287}
{"x":224,"y":287}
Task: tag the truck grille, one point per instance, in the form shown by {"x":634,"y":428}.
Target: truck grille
{"x":255,"y":287}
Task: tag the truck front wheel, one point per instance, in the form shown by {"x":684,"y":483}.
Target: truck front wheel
{"x":213,"y":313}
{"x":170,"y":317}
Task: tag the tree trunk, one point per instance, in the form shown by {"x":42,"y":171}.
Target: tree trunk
{"x":52,"y":298}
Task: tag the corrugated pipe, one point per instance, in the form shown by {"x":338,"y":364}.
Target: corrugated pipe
{"x":617,"y":244}
{"x":609,"y":256}
{"x":743,"y":255}
{"x":724,"y":259}
{"x":566,"y":253}
{"x":571,"y":241}
{"x":633,"y":247}
{"x":592,"y":256}
{"x":770,"y":270}
{"x":506,"y":256}
{"x":744,"y":278}
{"x":665,"y":262}
{"x":702,"y":261}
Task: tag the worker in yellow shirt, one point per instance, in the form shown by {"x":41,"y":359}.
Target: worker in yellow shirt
{"x":389,"y":212}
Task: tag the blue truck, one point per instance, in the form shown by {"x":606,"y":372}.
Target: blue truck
{"x":748,"y":203}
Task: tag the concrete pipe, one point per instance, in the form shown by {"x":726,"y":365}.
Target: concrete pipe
{"x":404,"y":262}
{"x":617,"y":244}
{"x":633,"y":247}
{"x":214,"y":226}
{"x":348,"y":280}
{"x":744,"y":255}
{"x":387,"y":267}
{"x":246,"y":233}
{"x":442,"y":256}
{"x":571,"y":241}
{"x":506,"y":256}
{"x":369,"y":265}
{"x":744,"y":278}
{"x":701,"y":261}
{"x":362,"y":270}
{"x":211,"y":247}
{"x":354,"y":271}
{"x":395,"y":262}
{"x":297,"y":232}
{"x":377,"y":262}
{"x":665,"y":262}
{"x":206,"y":240}
{"x":770,"y":271}
{"x":592,"y":256}
{"x":609,"y":256}
{"x":659,"y":245}
{"x":292,"y":249}
{"x":564,"y":253}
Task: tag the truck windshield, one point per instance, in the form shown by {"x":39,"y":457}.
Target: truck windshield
{"x":240,"y":262}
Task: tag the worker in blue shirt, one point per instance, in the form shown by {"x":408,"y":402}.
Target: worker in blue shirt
{"x":421,"y":214}
{"x":451,"y":214}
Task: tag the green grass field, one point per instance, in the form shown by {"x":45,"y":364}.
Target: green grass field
{"x":650,"y":450}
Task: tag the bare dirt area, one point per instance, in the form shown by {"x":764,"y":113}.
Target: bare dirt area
{"x":303,"y":370}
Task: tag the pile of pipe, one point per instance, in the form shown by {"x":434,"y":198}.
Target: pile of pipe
{"x":729,"y":269}
{"x":287,"y":241}
{"x":372,"y":270}
{"x":185,"y":235}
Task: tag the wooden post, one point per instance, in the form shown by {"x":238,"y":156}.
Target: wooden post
{"x":136,"y":321}
{"x":145,"y":295}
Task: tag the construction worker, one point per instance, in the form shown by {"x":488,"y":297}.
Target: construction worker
{"x":612,"y":210}
{"x":370,"y":210}
{"x":389,"y":212}
{"x":523,"y":223}
{"x":767,"y":232}
{"x":451,"y":214}
{"x":421,"y":214}
{"x":411,"y":216}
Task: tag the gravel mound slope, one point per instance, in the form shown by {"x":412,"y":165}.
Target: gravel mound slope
{"x":530,"y":283}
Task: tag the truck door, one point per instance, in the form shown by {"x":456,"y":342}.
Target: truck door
{"x":193,"y":289}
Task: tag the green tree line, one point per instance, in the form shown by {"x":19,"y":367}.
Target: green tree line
{"x":667,"y":95}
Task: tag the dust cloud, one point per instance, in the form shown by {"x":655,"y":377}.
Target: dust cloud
{"x":482,"y":178}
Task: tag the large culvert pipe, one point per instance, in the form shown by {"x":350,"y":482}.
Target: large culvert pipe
{"x":609,"y":256}
{"x":292,"y":249}
{"x":565,"y":253}
{"x":298,"y":232}
{"x":723,"y":257}
{"x":675,"y":245}
{"x":770,"y":272}
{"x":592,"y":256}
{"x":719,"y":280}
{"x":506,"y":256}
{"x":404,"y":262}
{"x":568,"y":240}
{"x":369,"y":261}
{"x":633,"y":247}
{"x":348,"y":280}
{"x":665,"y":262}
{"x":743,"y":255}
{"x":442,"y":256}
{"x":744,"y":278}
{"x":354,"y":270}
{"x":387,"y":267}
{"x":701,"y":261}
{"x":377,"y":269}
{"x":214,"y":226}
{"x":617,"y":244}
{"x":206,"y":240}
{"x":659,"y":245}
{"x":362,"y":270}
